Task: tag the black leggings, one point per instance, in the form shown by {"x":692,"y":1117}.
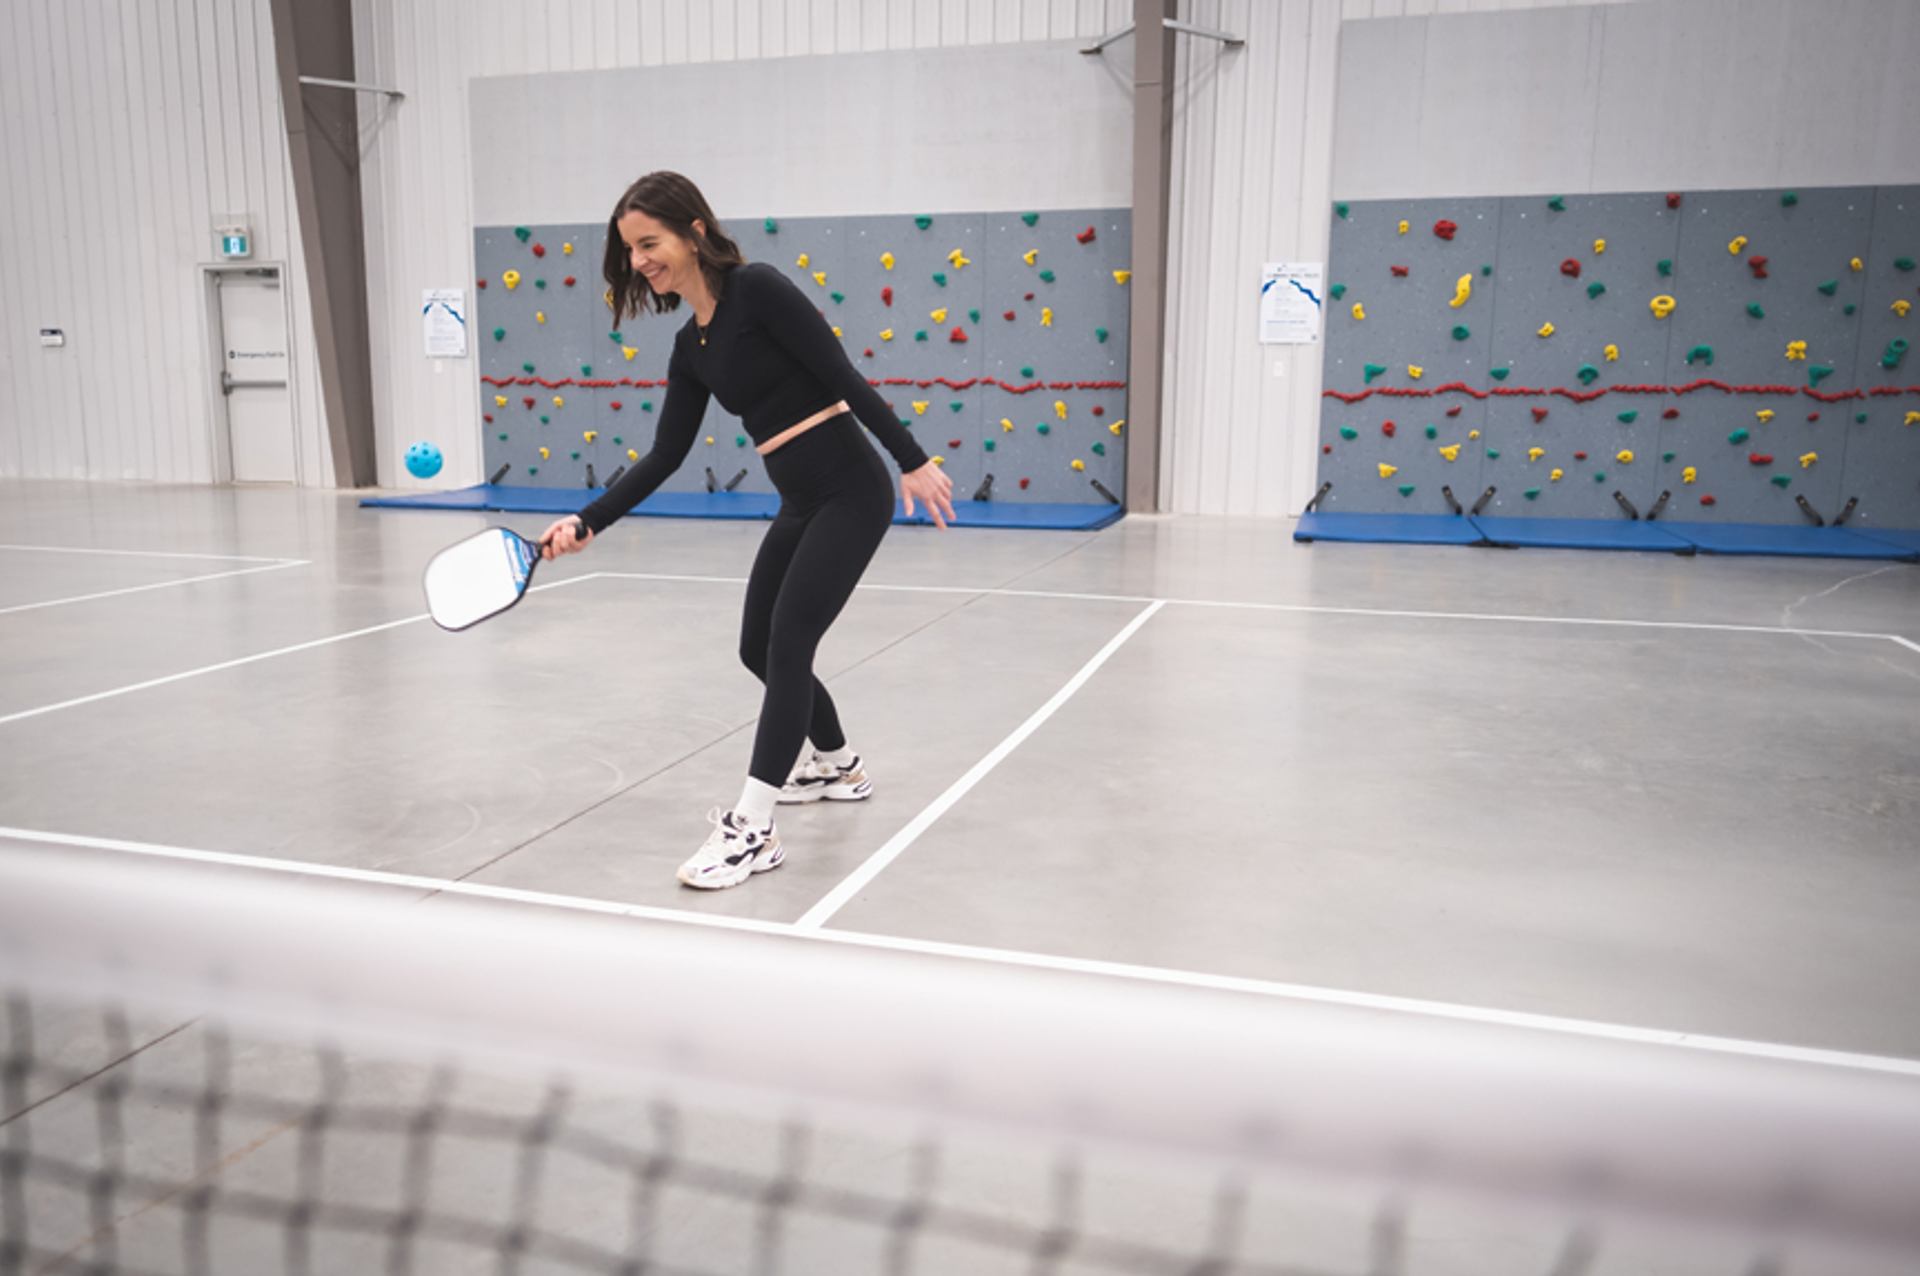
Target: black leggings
{"x":836,"y":502}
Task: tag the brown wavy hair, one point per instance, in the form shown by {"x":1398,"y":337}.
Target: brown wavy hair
{"x":676,"y":203}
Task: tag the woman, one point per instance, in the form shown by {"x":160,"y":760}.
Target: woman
{"x":757,"y":342}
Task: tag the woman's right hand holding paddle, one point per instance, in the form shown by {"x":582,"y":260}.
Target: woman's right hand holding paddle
{"x":563,"y":538}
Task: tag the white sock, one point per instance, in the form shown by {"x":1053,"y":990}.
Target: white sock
{"x":840,"y":757}
{"x":755,"y":807}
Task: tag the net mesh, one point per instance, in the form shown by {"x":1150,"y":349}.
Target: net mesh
{"x":181,"y":1123}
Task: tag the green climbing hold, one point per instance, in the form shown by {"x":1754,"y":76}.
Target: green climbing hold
{"x":772,"y":227}
{"x":1340,"y":210}
{"x":1461,"y":332}
{"x":1029,"y":218}
{"x":1628,"y":418}
{"x":527,"y":368}
{"x":576,"y":456}
{"x":1859,"y":418}
{"x":586,"y":369}
{"x":1099,"y":449}
{"x":1788,"y":199}
{"x":1588,"y":374}
{"x":1337,"y":291}
{"x":1781,"y":480}
{"x":1558,"y":203}
{"x":617,"y":338}
{"x":1594,"y":289}
{"x":1739,"y":436}
{"x":988,"y":445}
{"x":618,"y":441}
{"x":1850,"y":308}
{"x":1493,"y":454}
{"x":1406,"y":489}
{"x":1895,"y":352}
{"x":1532,"y":493}
{"x":940,"y":279}
{"x":503,"y":438}
{"x":1046,"y":276}
{"x":646,"y":405}
{"x":1830,"y":287}
{"x":1027,"y":372}
{"x":545,"y":421}
{"x":923,"y":222}
{"x":1348,"y":433}
{"x":1499,"y":374}
{"x":1486,"y":270}
{"x":1373,"y":370}
{"x":1817,"y":373}
{"x":1753,"y":308}
{"x":838,"y":297}
{"x":522,"y":234}
{"x":1903,"y":263}
{"x":1666,"y":456}
{"x":1700,"y":352}
{"x":739,"y":440}
{"x":973,"y":315}
{"x":956,"y":405}
{"x":1665,"y":266}
{"x":1433,"y":432}
{"x":1044,"y":428}
{"x":1600,"y":476}
{"x":921,"y":335}
{"x":499,"y":334}
{"x":539,"y":283}
{"x":1100,"y":335}
{"x":533,"y":469}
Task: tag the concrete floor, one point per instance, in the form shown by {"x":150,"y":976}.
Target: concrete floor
{"x":1419,"y":772}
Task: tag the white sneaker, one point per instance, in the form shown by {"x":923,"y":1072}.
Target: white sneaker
{"x":816,"y":779}
{"x":732,"y":853}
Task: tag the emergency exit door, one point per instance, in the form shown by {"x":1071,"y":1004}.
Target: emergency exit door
{"x":252,"y":325}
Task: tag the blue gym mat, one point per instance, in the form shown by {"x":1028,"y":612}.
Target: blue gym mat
{"x":742,"y":505}
{"x":1581,"y":533}
{"x":1907,"y":540}
{"x":1793,"y":542}
{"x":1403,"y":529}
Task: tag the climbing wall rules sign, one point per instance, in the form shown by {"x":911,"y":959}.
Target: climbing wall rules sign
{"x":444,"y":313}
{"x":1291,"y":297}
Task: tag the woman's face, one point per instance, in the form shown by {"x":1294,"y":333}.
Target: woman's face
{"x":657,"y":253}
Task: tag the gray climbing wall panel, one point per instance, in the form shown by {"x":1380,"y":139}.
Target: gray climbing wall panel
{"x":955,"y":394}
{"x":1768,"y":429}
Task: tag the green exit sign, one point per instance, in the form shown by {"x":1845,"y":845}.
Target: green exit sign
{"x":232,"y":245}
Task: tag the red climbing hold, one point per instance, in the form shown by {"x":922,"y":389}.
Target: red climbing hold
{"x":1023,"y":484}
{"x":1579,"y":456}
{"x":953,"y":442}
{"x":1386,"y":428}
{"x":615,"y":405}
{"x":886,"y":296}
{"x":1760,"y":458}
{"x":1445,"y":229}
{"x":1673,"y":201}
{"x":1539,"y":414}
{"x":869,"y":352}
{"x":1759,"y":267}
{"x":1570,"y":267}
{"x":1085,"y":236}
{"x":1670,"y":414}
{"x":1400,"y":272}
{"x":1029,"y":296}
{"x":1007,"y":315}
{"x":488,"y":418}
{"x":1708,"y":499}
{"x":958,"y":336}
{"x":529,"y":402}
{"x":1454,"y":410}
{"x":482,"y":283}
{"x":568,"y":281}
{"x":1326,"y":449}
{"x":539,"y":250}
{"x":1098,"y":410}
{"x":1813,"y":416}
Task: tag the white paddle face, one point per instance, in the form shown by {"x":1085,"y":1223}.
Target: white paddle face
{"x":478,"y":577}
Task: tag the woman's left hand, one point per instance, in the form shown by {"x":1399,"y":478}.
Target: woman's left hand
{"x":931,"y":486}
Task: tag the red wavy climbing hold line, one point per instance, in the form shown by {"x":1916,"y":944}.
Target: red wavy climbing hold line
{"x":1583,"y":396}
{"x":923,"y":383}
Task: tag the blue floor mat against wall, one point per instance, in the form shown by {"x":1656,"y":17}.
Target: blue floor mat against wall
{"x":1628,"y":534}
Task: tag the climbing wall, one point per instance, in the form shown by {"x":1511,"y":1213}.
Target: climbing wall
{"x":999,"y":339}
{"x":1717,"y":355}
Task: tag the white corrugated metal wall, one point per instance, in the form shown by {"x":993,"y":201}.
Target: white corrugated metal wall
{"x":125,"y":127}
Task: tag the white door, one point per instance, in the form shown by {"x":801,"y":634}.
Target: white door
{"x":253,"y":376}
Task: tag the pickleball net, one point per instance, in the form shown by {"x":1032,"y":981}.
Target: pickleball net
{"x":209,"y":1070}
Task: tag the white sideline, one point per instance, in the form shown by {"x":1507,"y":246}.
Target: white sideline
{"x":1118,"y":970}
{"x":141,"y":589}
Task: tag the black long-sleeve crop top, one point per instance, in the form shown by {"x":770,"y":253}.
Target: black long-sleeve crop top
{"x":772,"y":360}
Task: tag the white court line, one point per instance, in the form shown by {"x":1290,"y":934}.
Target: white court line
{"x":1039,"y":961}
{"x":1309,"y":608}
{"x":837,"y":898}
{"x":141,"y":589}
{"x":244,"y":660}
{"x":1909,"y":645}
{"x":153,"y":553}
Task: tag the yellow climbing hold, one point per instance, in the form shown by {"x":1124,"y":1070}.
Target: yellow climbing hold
{"x":1901,"y":305}
{"x":1913,"y":418}
{"x":1029,"y":255}
{"x":1388,"y":471}
{"x":837,"y":332}
{"x":499,"y":400}
{"x":559,"y":402}
{"x":1689,"y":474}
{"x":1403,"y":225}
{"x":1079,"y":464}
{"x":1662,"y":306}
{"x":1765,"y":414}
{"x":886,"y":334}
{"x":1359,"y":311}
{"x":627,"y":352}
{"x":634,"y":456}
{"x":1415,"y":371}
{"x":1006,"y":424}
{"x":820,"y":277}
{"x":1462,"y":290}
{"x":939,"y":460}
{"x":886,"y":261}
{"x":1797,"y":350}
{"x":1535,"y":453}
{"x":1612,"y":353}
{"x":1114,"y":429}
{"x":607,"y":297}
{"x":1739,"y":242}
{"x":1046,"y":316}
{"x":959,"y":259}
{"x":802,"y":261}
{"x":1807,"y":460}
{"x":1060,"y":408}
{"x":1856,"y":264}
{"x":709,"y":440}
{"x":1599,"y":246}
{"x":1473,"y":434}
{"x":1556,"y":476}
{"x":591,"y":435}
{"x":1546,"y":329}
{"x":511,"y":279}
{"x":539,"y":316}
{"x":545,"y":455}
{"x":940,"y":315}
{"x":1121,"y":276}
{"x":1451,"y":451}
{"x":1624,"y":456}
{"x":567,"y":249}
{"x":920,"y":406}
